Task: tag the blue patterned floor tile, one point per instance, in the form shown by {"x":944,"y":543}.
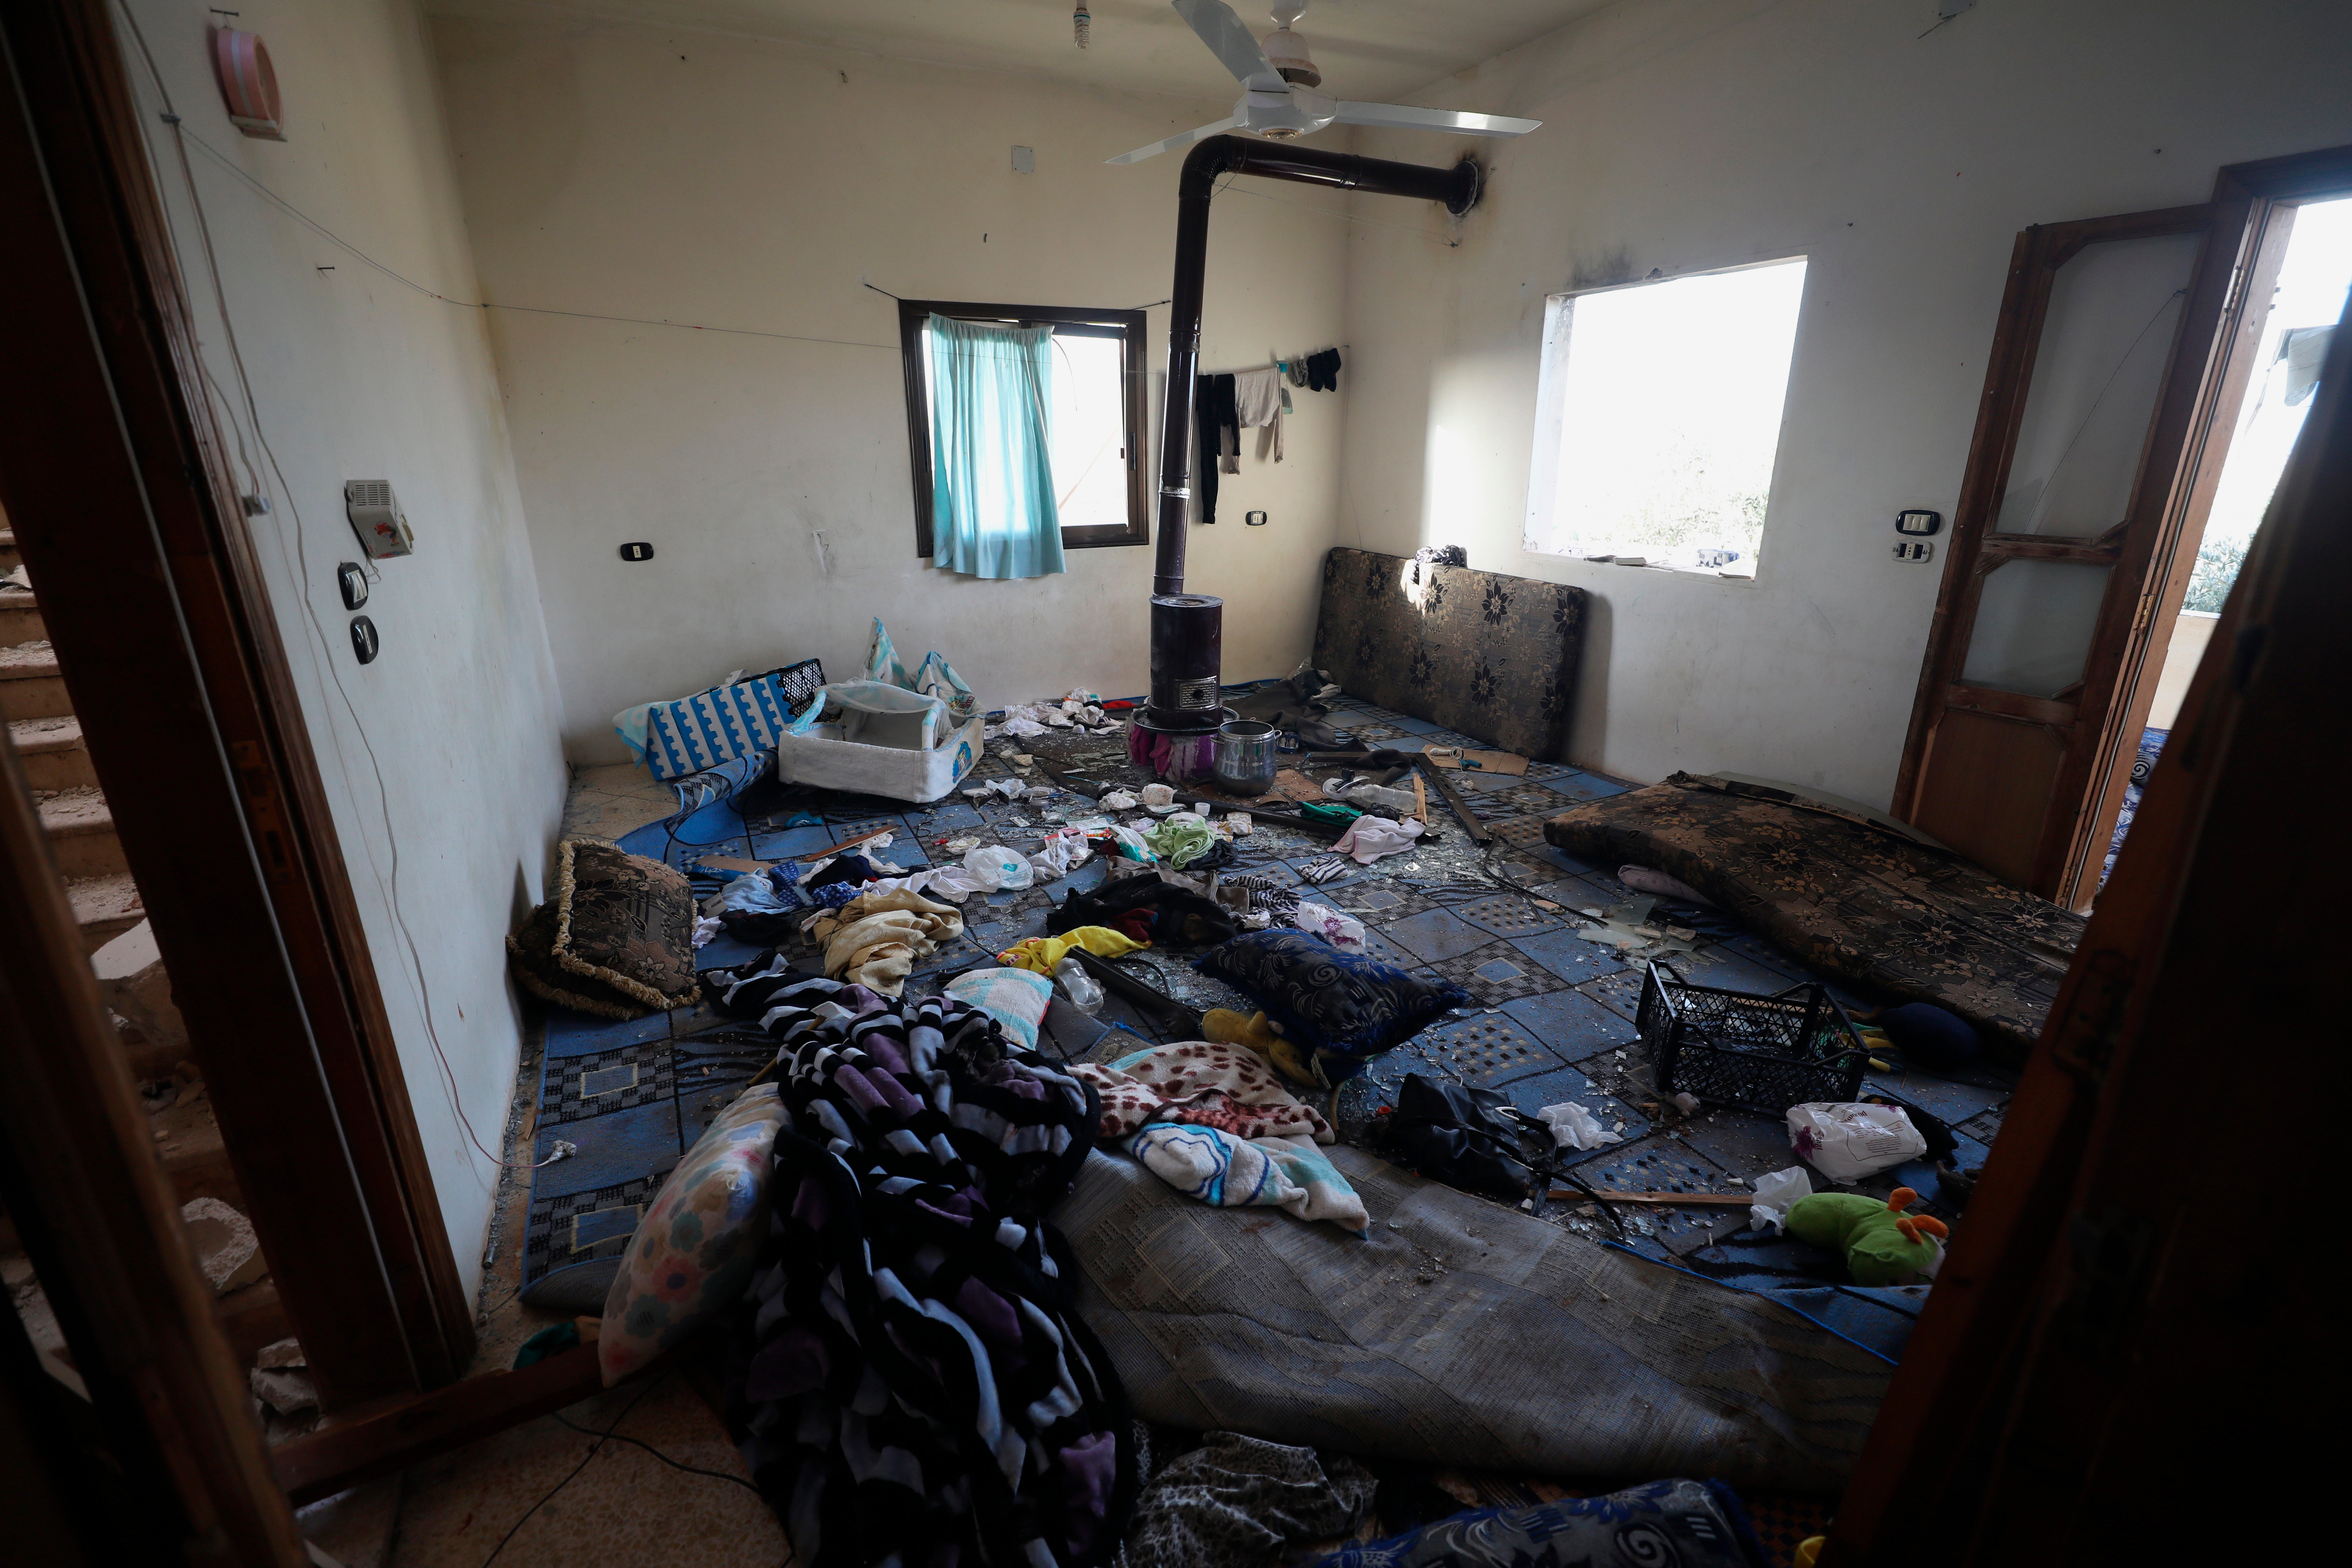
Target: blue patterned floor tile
{"x":1415,"y":726}
{"x":1486,"y":1050}
{"x":1378,"y":946}
{"x":571,"y":1033}
{"x":723,"y":952}
{"x":1569,"y":955}
{"x":1743,"y":1143}
{"x":948,"y":817}
{"x":791,"y":842}
{"x":612,"y":1148}
{"x":1581,"y":786}
{"x":1573,"y":1025}
{"x":1716,"y":966}
{"x":1509,"y":915}
{"x":1495,"y":973}
{"x":1619,"y":992}
{"x":1436,"y":935}
{"x":1755,"y":948}
{"x":1941,"y":1098}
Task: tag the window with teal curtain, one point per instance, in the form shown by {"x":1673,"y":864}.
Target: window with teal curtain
{"x":993,"y":508}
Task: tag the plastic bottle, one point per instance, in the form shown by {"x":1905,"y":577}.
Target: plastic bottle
{"x":1084,"y":992}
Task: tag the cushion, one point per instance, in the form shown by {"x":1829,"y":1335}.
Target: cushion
{"x":1016,"y":997}
{"x":693,"y":1251}
{"x":1491,"y":655}
{"x":1342,"y":1006}
{"x":617,"y":940}
{"x":714,"y":726}
{"x":1849,"y":898}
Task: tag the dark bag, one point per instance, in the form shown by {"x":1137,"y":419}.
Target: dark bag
{"x":1469,"y":1138}
{"x":1186,"y":919}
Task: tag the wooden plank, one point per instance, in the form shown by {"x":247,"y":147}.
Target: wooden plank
{"x":390,"y":1436}
{"x":1476,"y":829}
{"x":2009,"y":705}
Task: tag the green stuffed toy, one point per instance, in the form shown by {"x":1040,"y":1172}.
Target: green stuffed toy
{"x":1883,"y":1246}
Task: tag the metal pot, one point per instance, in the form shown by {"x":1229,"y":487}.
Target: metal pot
{"x":1246,"y":760}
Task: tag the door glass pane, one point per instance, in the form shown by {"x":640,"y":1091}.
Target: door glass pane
{"x":2033,"y":626}
{"x":2114,"y":308}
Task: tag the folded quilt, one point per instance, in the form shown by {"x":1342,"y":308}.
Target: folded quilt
{"x":912,"y":1383}
{"x":876,"y":938}
{"x":1226,"y":1172}
{"x":1204,"y":1084}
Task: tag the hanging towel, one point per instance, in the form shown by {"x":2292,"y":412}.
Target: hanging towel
{"x":1212,"y":406}
{"x":1258,"y":403}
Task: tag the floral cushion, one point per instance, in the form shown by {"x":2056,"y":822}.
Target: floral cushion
{"x":1854,"y":901}
{"x":1343,"y":1006}
{"x":692,"y":1253}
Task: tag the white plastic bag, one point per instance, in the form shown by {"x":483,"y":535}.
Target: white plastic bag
{"x":1774,"y":1195}
{"x":1063,"y":852}
{"x":1847,"y":1142}
{"x":1573,"y":1127}
{"x":1367,"y":795}
{"x":1343,"y":932}
{"x":999,"y":869}
{"x":1118,"y":800}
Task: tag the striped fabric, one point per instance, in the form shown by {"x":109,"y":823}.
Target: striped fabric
{"x":714,"y":727}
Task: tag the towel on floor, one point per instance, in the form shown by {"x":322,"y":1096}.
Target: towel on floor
{"x":1204,"y":1084}
{"x":1226,"y":1172}
{"x":876,"y":938}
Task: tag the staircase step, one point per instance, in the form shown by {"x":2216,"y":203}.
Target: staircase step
{"x":53,"y":753}
{"x":80,"y":827}
{"x":104,"y":907}
{"x":20,"y":618}
{"x":30,"y":686}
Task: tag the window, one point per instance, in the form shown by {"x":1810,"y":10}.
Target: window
{"x":1094,"y":418}
{"x":1658,"y":417}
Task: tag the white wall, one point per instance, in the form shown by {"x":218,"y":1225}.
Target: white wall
{"x":726,"y":182}
{"x":1687,"y":134}
{"x":359,"y":376}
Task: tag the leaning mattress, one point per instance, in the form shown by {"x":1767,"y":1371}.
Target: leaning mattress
{"x":1461,"y":1333}
{"x":1854,"y":901}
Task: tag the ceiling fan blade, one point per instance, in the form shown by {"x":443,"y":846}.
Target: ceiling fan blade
{"x":1232,"y":43}
{"x":1403,"y":117}
{"x":1186,"y":140}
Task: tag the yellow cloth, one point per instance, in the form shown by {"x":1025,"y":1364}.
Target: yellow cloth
{"x":1041,"y":953}
{"x":1256,"y":1033}
{"x":876,"y":938}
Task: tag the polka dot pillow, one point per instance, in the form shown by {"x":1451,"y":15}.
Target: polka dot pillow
{"x":692,"y":1252}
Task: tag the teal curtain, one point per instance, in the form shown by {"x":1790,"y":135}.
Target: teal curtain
{"x":993,"y":508}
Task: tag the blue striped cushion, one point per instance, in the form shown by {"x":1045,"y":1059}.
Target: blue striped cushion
{"x":714,"y":727}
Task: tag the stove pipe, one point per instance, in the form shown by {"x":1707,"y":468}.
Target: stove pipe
{"x":1187,"y":628}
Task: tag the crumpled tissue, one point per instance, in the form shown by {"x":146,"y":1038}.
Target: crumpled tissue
{"x":1775,"y":1194}
{"x":1573,"y":1127}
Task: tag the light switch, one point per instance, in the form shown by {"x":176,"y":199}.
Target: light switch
{"x":1915,"y":550}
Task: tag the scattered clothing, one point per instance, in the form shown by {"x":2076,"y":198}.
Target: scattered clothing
{"x":910,"y":1313}
{"x":1216,"y":1168}
{"x":1200,"y":1083}
{"x":1237,"y":1500}
{"x":1179,"y":843}
{"x":1323,"y":868}
{"x":1323,"y":371}
{"x":877,"y":937}
{"x":1041,"y":953}
{"x":1695,"y":1524}
{"x":1184,"y":919}
{"x":1369,"y":837}
{"x":1258,"y":403}
{"x":1214,"y":417}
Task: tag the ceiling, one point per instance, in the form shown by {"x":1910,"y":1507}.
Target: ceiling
{"x":1378,"y":50}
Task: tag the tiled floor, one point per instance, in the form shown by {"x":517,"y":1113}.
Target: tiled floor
{"x":1553,"y":1021}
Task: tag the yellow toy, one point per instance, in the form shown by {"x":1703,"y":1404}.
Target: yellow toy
{"x":1883,"y":1246}
{"x":1259,"y":1034}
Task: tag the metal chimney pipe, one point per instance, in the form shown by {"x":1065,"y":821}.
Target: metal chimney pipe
{"x":1186,"y":629}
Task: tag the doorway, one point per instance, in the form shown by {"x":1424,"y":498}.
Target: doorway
{"x":2314,"y":277}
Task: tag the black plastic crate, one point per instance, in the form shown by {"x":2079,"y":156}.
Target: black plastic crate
{"x":801,"y":683}
{"x":1763,"y":1054}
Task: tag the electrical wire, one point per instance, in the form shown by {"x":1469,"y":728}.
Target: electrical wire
{"x":301,"y":565}
{"x":656,"y":1453}
{"x":636,"y":1399}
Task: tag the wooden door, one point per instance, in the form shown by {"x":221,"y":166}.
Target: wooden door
{"x":2102,"y":367}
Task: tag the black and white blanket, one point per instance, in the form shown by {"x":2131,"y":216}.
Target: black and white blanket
{"x":913,"y":1384}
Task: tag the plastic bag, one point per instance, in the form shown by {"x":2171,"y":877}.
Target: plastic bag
{"x":999,"y":869}
{"x":1573,"y":1127}
{"x":1371,"y":797}
{"x":1063,"y":852}
{"x":1343,"y":932}
{"x":1775,"y":1194}
{"x":1082,"y":989}
{"x":1846,"y":1142}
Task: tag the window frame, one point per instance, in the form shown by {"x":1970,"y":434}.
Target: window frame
{"x":1127,"y":326}
{"x":1551,"y":386}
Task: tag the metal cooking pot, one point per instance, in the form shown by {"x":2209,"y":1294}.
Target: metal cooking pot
{"x":1246,"y":759}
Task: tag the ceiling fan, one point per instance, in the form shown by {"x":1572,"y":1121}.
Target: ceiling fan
{"x":1278,"y":87}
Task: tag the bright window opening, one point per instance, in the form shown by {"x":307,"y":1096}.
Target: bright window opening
{"x":1658,"y":418}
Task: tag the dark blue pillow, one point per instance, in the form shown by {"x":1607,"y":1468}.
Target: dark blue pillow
{"x":1341,"y":1005}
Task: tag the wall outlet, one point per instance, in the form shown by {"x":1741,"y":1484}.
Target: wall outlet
{"x":1915,"y":550}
